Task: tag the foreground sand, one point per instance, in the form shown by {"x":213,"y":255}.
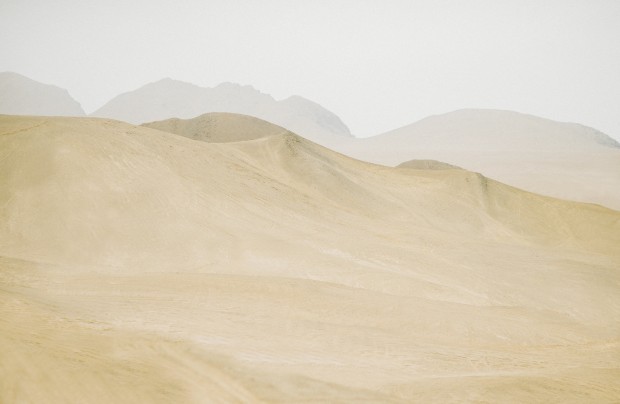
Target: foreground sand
{"x":140,"y":266}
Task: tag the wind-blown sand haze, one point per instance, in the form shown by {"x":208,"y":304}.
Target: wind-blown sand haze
{"x":138,"y":265}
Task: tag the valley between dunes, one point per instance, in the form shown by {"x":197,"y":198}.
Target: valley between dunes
{"x":138,"y":265}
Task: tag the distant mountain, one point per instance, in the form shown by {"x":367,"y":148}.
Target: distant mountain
{"x":20,"y":95}
{"x":565,"y":160}
{"x":488,"y":130}
{"x":219,"y":127}
{"x":169,"y":98}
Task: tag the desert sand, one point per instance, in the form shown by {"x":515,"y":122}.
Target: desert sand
{"x":563,"y":160}
{"x":142,"y":266}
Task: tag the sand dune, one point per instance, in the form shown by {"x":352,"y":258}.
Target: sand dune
{"x":219,"y":127}
{"x":428,"y":165}
{"x":563,"y":160}
{"x":20,"y":95}
{"x":169,"y":98}
{"x":138,"y":265}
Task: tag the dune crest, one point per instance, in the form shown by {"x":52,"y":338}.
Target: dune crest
{"x":218,"y":127}
{"x":428,"y":165}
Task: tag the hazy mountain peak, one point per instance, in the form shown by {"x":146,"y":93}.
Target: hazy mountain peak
{"x":229,"y":85}
{"x":323,"y":116}
{"x":20,"y":95}
{"x":169,"y":98}
{"x":167,"y":83}
{"x":494,"y":129}
{"x":9,"y":75}
{"x":167,"y":79}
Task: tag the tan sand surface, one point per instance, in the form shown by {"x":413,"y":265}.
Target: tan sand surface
{"x":142,"y":266}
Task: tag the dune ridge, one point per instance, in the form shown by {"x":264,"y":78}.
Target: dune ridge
{"x":428,"y":165}
{"x":218,"y":127}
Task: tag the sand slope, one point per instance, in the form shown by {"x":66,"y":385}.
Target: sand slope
{"x":169,"y":98}
{"x":137,"y":265}
{"x":20,"y":95}
{"x":563,"y":160}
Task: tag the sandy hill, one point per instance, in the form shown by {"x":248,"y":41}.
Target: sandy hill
{"x":142,"y":266}
{"x":218,"y":127}
{"x":428,"y":165}
{"x":563,"y":160}
{"x":20,"y":95}
{"x":169,"y":98}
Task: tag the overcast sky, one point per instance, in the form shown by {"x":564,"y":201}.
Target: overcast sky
{"x":378,"y":64}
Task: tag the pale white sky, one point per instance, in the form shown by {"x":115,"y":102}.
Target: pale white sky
{"x":378,"y":64}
